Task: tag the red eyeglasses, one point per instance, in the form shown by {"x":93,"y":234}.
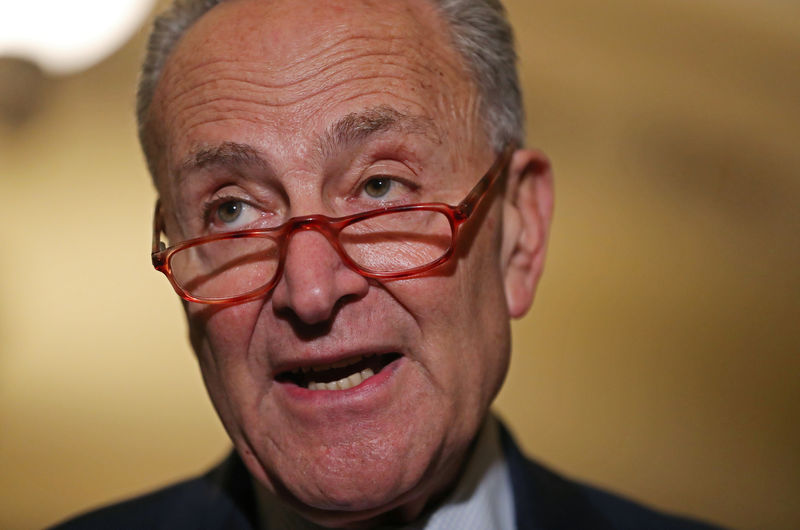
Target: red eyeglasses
{"x":389,"y":243}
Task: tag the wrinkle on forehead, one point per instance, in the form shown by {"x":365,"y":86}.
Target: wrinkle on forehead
{"x":378,"y":65}
{"x":292,"y":39}
{"x":298,"y":31}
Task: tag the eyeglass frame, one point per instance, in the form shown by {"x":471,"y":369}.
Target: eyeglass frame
{"x":330,"y":228}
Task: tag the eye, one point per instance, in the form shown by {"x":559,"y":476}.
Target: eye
{"x":230,"y":211}
{"x":232,"y":214}
{"x":378,"y":187}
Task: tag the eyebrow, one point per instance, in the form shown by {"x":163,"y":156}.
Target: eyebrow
{"x":228,"y":154}
{"x":352,"y":128}
{"x":358,"y":126}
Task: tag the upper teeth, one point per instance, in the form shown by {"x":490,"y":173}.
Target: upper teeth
{"x":344,"y":383}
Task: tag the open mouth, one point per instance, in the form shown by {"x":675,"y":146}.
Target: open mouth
{"x":341,"y":375}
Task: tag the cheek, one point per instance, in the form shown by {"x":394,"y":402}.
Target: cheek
{"x":221,"y":338}
{"x":462,"y":318}
{"x":223,"y":329}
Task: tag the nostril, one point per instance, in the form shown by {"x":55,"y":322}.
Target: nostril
{"x":308,"y":325}
{"x":304,"y":330}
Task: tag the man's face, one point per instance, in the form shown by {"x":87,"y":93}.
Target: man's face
{"x":268,"y":110}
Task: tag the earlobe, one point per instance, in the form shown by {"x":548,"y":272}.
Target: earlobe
{"x":527,"y":211}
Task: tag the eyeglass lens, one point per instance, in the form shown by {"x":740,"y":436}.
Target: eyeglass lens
{"x":386,"y":243}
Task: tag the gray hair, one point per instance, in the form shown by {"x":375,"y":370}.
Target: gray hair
{"x":480,"y":33}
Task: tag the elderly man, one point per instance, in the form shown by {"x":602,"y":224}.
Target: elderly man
{"x":346,"y":208}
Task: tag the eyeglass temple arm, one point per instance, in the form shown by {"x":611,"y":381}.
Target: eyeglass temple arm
{"x":476,"y":194}
{"x":158,"y":227}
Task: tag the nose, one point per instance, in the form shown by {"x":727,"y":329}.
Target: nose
{"x":315,"y":279}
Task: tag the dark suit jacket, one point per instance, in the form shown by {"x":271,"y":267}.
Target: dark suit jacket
{"x":223,"y":499}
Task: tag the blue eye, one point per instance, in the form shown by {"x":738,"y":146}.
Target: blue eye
{"x":378,"y":187}
{"x":229,"y":211}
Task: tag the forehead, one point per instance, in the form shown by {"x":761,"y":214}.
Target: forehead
{"x":289,"y":32}
{"x":288,"y":68}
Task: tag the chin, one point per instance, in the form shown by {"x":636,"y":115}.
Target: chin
{"x":356,"y":479}
{"x":358,"y":486}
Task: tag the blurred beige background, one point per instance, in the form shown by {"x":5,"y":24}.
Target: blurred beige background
{"x":661,"y":357}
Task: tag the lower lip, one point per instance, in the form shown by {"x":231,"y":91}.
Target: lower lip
{"x":364,"y":390}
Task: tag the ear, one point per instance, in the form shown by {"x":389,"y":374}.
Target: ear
{"x":527,"y":211}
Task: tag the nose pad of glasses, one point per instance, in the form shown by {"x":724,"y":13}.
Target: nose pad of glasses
{"x":315,"y":279}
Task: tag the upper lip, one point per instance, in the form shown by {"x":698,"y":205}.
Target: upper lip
{"x":338,"y":364}
{"x":306,"y":363}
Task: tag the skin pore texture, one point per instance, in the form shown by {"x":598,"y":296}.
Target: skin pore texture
{"x":286,"y":109}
